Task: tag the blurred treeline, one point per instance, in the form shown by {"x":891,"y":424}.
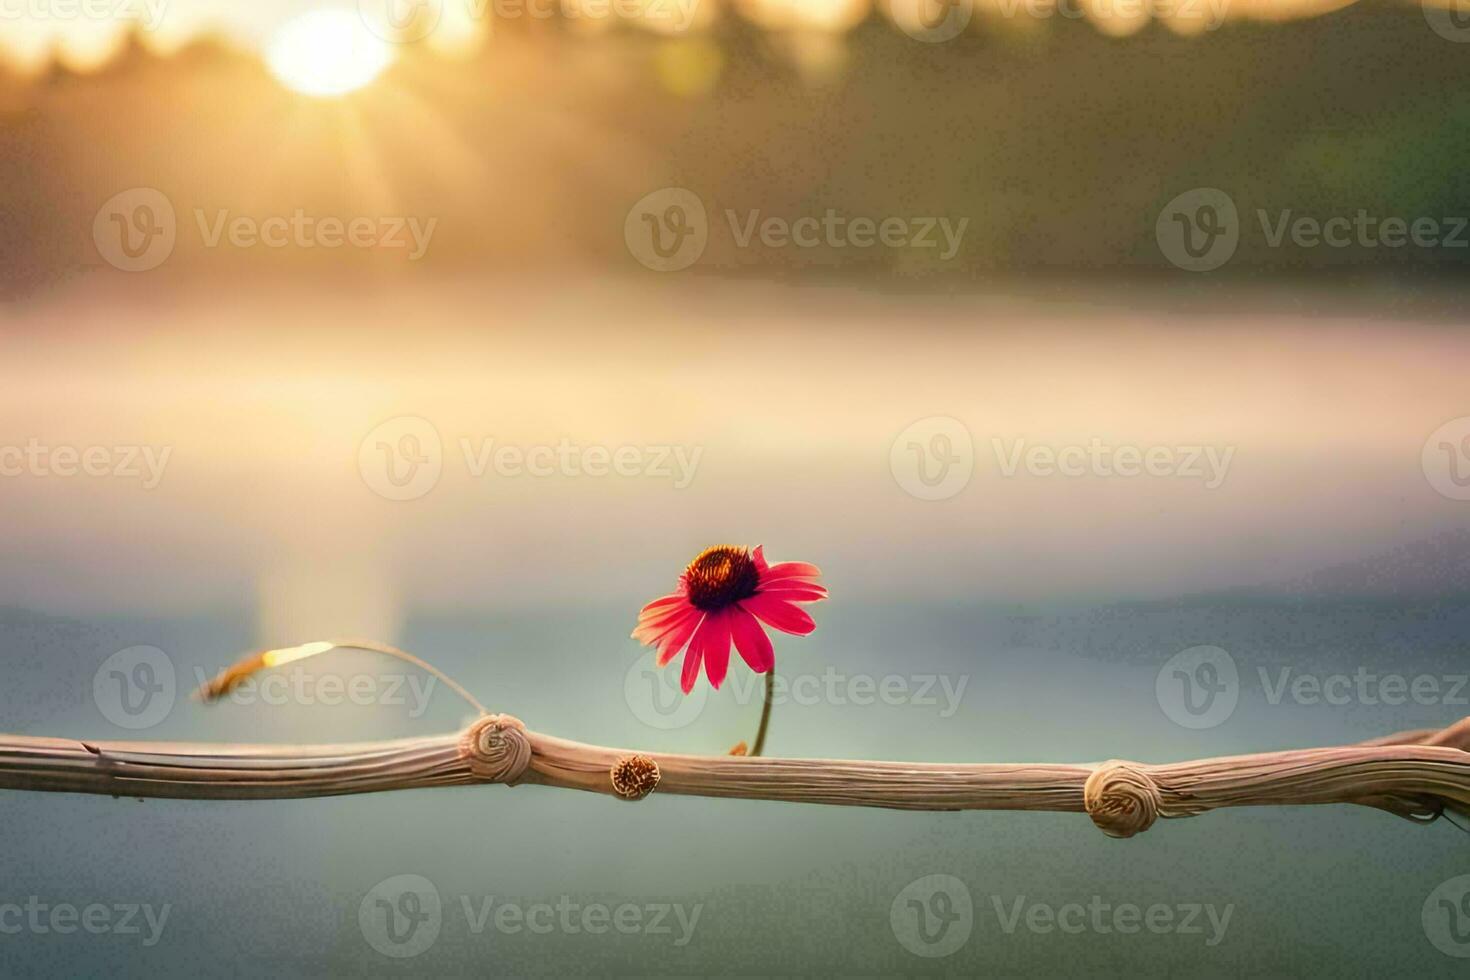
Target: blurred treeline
{"x":1058,"y":142}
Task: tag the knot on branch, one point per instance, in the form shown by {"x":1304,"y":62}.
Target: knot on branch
{"x":1121,"y":799}
{"x":635,"y":776}
{"x":496,"y":748}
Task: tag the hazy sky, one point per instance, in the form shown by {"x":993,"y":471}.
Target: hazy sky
{"x":796,"y":408}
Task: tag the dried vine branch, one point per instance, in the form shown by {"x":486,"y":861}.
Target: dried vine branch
{"x":1417,"y":775}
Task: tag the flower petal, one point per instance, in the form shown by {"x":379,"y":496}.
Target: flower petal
{"x":751,"y":640}
{"x":661,"y":612}
{"x":759,"y":557}
{"x":674,"y":640}
{"x":691,"y":663}
{"x":791,"y":569}
{"x":649,"y":631}
{"x":663,"y":602}
{"x":794,"y":591}
{"x":715,"y":638}
{"x":663,"y":619}
{"x":777,"y":612}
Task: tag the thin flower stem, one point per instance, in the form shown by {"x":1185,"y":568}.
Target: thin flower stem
{"x":419,"y":662}
{"x":236,"y":673}
{"x":760,"y":735}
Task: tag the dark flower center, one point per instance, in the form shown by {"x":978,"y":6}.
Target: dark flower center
{"x":720,"y":576}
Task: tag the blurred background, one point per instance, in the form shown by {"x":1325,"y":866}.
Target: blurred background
{"x":1094,"y":350}
{"x":527,"y":129}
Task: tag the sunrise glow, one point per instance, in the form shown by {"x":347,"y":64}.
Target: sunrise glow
{"x":326,"y":52}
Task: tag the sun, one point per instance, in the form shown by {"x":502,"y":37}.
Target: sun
{"x":326,"y":52}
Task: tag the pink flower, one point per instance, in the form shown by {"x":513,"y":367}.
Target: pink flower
{"x":726,"y":594}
